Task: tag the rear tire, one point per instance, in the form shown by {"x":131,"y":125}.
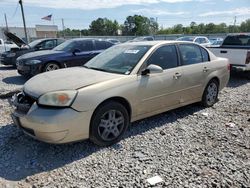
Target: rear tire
{"x":210,"y":94}
{"x":109,"y":123}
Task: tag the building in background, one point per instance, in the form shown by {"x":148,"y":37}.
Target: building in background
{"x":39,"y":31}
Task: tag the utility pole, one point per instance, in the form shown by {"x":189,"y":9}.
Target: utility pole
{"x":63,"y":28}
{"x":24,"y":24}
{"x":235,"y":23}
{"x":5,"y":17}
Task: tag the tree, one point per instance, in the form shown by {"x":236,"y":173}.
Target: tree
{"x":139,"y":25}
{"x":103,"y":26}
{"x":245,"y":26}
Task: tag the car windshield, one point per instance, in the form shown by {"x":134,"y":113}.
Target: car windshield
{"x":186,"y":39}
{"x":34,"y":43}
{"x":119,"y":59}
{"x":65,"y":46}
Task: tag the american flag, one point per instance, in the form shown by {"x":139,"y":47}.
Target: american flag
{"x":47,"y":17}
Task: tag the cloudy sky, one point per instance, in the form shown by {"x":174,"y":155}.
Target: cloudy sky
{"x":79,"y":13}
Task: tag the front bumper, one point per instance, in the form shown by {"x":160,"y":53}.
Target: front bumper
{"x":8,"y":60}
{"x":52,"y":125}
{"x":28,"y":70}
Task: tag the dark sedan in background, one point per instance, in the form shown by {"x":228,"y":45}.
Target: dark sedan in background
{"x":9,"y":57}
{"x":74,"y":52}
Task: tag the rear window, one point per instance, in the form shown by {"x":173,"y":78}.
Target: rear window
{"x":101,"y":45}
{"x":191,"y":54}
{"x":237,"y":40}
{"x":85,"y":45}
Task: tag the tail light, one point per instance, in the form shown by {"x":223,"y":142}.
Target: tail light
{"x":248,"y":58}
{"x":228,"y":67}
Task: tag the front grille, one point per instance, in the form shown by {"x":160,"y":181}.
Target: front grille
{"x":22,"y":102}
{"x":20,"y":62}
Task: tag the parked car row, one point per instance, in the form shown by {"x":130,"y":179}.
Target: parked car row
{"x":124,"y":83}
{"x":52,"y":53}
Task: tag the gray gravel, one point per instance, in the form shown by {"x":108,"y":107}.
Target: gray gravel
{"x":188,"y":147}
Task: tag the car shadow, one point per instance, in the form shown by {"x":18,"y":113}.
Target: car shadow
{"x":17,"y":80}
{"x":22,"y":156}
{"x":238,"y":79}
{"x":3,"y":68}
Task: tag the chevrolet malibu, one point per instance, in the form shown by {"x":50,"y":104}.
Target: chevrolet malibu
{"x":123,"y":84}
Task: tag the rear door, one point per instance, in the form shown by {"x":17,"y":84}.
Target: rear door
{"x":196,"y":67}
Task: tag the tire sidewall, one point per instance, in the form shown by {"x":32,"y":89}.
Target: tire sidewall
{"x":45,"y":67}
{"x":94,"y":136}
{"x":204,"y":97}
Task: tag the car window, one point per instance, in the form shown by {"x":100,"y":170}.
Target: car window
{"x":237,"y":40}
{"x":205,"y":56}
{"x":0,"y":42}
{"x":48,"y":44}
{"x":60,"y":41}
{"x":203,"y":40}
{"x":190,"y":54}
{"x":198,"y":40}
{"x":85,"y":45}
{"x":100,"y":45}
{"x":165,"y":57}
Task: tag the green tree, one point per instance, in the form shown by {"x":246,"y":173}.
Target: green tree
{"x":139,"y":25}
{"x":103,"y":26}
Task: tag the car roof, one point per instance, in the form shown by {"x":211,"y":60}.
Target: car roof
{"x":82,"y":39}
{"x":155,"y":42}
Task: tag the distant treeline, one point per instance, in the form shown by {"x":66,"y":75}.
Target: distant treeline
{"x":138,"y":25}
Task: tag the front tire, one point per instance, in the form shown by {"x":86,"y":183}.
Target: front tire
{"x":109,"y":123}
{"x":210,"y":94}
{"x":50,"y":67}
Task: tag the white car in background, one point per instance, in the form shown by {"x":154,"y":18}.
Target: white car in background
{"x":6,"y":46}
{"x":197,"y":39}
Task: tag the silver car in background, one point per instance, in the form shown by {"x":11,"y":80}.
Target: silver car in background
{"x":125,"y":83}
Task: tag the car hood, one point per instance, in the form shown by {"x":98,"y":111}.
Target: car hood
{"x":39,"y":54}
{"x":19,"y":42}
{"x":65,"y":79}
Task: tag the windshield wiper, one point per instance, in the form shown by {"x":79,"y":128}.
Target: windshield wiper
{"x":95,"y":68}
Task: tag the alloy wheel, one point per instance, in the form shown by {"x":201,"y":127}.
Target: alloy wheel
{"x":111,"y":125}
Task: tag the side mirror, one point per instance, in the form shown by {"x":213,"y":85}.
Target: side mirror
{"x":152,"y":69}
{"x":75,"y":51}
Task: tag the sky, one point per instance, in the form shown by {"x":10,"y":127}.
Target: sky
{"x":78,"y":14}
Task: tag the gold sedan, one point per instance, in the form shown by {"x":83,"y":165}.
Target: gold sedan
{"x":123,"y":84}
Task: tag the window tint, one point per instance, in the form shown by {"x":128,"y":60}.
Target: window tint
{"x":237,"y":40}
{"x":49,"y":44}
{"x":165,"y":57}
{"x":205,"y":56}
{"x":203,"y":40}
{"x":100,"y":45}
{"x":84,"y":45}
{"x":191,"y":54}
{"x":60,"y":41}
{"x":198,"y":40}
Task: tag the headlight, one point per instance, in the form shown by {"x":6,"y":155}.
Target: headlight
{"x":58,"y":98}
{"x":10,"y":55}
{"x":32,"y":62}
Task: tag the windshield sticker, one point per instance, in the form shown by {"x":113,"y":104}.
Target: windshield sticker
{"x":131,"y":51}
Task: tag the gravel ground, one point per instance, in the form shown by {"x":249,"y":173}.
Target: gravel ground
{"x":187,"y":147}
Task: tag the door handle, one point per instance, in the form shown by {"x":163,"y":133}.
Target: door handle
{"x":205,"y":69}
{"x":223,"y":51}
{"x":177,"y":76}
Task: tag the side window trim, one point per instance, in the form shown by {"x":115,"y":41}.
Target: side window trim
{"x":149,"y":56}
